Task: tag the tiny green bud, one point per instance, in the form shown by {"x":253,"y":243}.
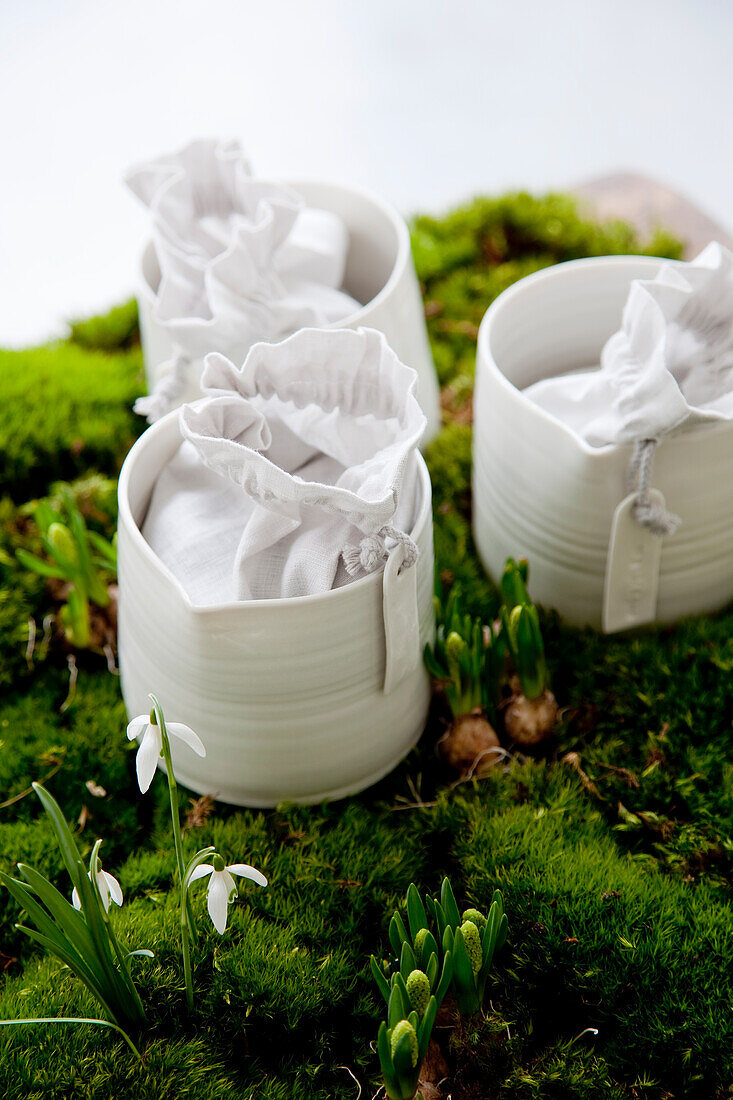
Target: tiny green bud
{"x":420,"y":938}
{"x":454,"y":646}
{"x":404,"y":1027}
{"x":472,"y":941}
{"x":62,"y":541}
{"x":476,"y":918}
{"x":418,"y":990}
{"x":218,"y":862}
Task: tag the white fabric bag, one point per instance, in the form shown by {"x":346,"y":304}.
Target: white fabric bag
{"x":241,"y":259}
{"x":669,"y":365}
{"x":199,"y":196}
{"x":297,"y":473}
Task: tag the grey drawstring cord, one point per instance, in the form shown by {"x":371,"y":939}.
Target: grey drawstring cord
{"x":372,"y":551}
{"x":647,"y":512}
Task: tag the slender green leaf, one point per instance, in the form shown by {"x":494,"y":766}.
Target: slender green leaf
{"x":75,"y":1020}
{"x":416,"y":915}
{"x":38,"y":565}
{"x":448,"y":901}
{"x":462,"y":969}
{"x":68,"y":919}
{"x":58,"y":948}
{"x":396,"y":1005}
{"x":380,"y":979}
{"x":385,"y":1061}
{"x":446,"y":977}
{"x":397,"y":934}
{"x":408,"y":962}
{"x":425,"y":1029}
{"x":67,"y":844}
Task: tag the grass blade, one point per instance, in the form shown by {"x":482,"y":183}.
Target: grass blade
{"x":76,"y":1020}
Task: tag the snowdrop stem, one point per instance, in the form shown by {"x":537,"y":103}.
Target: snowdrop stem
{"x":172,"y":786}
{"x":178,"y":844}
{"x":94,"y":872}
{"x":187,"y":923}
{"x":186,"y":952}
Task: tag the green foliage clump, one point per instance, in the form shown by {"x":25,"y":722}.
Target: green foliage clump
{"x":460,"y":657}
{"x":112,"y":331}
{"x":27,"y":607}
{"x":79,"y":933}
{"x":63,"y":411}
{"x":80,"y":558}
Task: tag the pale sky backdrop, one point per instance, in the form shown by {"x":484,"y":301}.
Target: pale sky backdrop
{"x":424,"y":101}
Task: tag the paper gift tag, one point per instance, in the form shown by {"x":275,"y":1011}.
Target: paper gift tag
{"x":632,"y":569}
{"x":401,"y":622}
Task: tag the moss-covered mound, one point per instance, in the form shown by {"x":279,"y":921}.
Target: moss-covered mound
{"x":613,"y":852}
{"x":66,"y":408}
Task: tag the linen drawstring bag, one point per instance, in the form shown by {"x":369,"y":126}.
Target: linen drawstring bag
{"x":241,"y":259}
{"x":669,"y":367}
{"x":298,"y":472}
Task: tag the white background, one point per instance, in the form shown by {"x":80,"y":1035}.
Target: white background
{"x":427,"y":102}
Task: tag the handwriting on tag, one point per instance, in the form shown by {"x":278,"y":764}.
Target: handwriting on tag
{"x":401,"y":621}
{"x":632,"y":570}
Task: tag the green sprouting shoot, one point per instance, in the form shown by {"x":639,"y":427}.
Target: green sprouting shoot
{"x":81,"y":559}
{"x":465,"y":659}
{"x":521,"y":631}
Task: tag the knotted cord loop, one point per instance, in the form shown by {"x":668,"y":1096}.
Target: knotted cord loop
{"x":647,"y":512}
{"x":372,"y":551}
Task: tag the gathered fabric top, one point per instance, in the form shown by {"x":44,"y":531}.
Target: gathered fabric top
{"x":242,"y":259}
{"x":298,"y":471}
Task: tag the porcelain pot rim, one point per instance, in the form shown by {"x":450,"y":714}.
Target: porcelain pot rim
{"x":386,"y":209}
{"x":487,"y":363}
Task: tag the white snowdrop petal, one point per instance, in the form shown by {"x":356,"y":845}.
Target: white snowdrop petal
{"x":187,"y":735}
{"x":137,"y":727}
{"x":103,"y":887}
{"x":245,"y":871}
{"x":115,"y":890}
{"x":218,"y":901}
{"x":147,"y":757}
{"x":201,"y":871}
{"x":75,"y":899}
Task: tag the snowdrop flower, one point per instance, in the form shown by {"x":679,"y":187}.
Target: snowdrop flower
{"x":151,"y":745}
{"x":108,"y":886}
{"x":222,"y":886}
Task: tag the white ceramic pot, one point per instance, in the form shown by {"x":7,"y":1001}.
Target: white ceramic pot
{"x":539,"y":491}
{"x":288,"y":695}
{"x":379,"y":272}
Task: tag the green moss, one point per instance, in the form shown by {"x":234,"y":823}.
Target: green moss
{"x":598,"y":939}
{"x":64,"y":410}
{"x":111,"y":331}
{"x":469,"y":256}
{"x":21,"y":592}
